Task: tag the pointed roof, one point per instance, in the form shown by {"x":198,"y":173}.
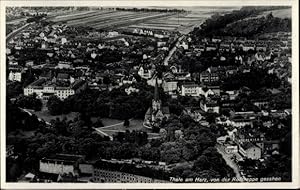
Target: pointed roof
{"x":156,"y":94}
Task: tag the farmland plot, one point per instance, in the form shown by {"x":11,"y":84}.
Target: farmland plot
{"x":125,"y":21}
{"x":96,"y":19}
{"x":62,"y":17}
{"x":106,"y":19}
{"x":111,"y":19}
{"x":85,"y":14}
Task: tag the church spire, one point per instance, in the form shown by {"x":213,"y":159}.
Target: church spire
{"x":156,"y":94}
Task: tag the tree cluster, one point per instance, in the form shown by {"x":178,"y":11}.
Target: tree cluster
{"x":255,"y":79}
{"x":253,"y":27}
{"x":151,"y":10}
{"x":29,"y":102}
{"x":114,"y":104}
{"x":236,"y":24}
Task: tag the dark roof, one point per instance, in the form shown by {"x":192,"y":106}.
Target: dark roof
{"x":46,"y":74}
{"x":78,"y":84}
{"x":67,"y":158}
{"x":38,"y":82}
{"x":166,"y":110}
{"x":63,"y":76}
{"x":156,"y":93}
{"x":48,"y":93}
{"x":247,"y":145}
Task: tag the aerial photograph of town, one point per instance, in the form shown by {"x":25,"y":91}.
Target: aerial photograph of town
{"x":148,"y":94}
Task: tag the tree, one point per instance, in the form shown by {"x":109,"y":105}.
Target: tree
{"x":126,"y":123}
{"x":55,"y":105}
{"x":106,"y":80}
{"x":98,"y":123}
{"x":29,"y":102}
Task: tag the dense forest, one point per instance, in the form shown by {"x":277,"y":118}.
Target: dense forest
{"x":238,"y":23}
{"x":251,"y":27}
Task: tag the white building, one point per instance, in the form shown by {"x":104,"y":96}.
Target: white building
{"x":60,"y":164}
{"x":190,"y":90}
{"x":15,"y":76}
{"x":210,"y":107}
{"x":112,"y":34}
{"x":250,"y":150}
{"x":145,"y":73}
{"x":130,"y":90}
{"x":170,"y":87}
{"x":63,"y":41}
{"x":54,"y":167}
{"x":44,"y":89}
{"x":64,"y":65}
{"x":184,"y":45}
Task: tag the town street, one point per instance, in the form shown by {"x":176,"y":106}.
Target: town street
{"x":230,"y":162}
{"x":171,"y":52}
{"x":15,"y":32}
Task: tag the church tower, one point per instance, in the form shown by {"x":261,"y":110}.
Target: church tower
{"x":156,"y":102}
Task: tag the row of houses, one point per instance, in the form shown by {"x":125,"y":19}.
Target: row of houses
{"x":97,"y":171}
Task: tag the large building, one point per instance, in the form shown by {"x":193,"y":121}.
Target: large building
{"x":107,"y":176}
{"x":120,"y":172}
{"x":157,"y":112}
{"x":60,"y":164}
{"x":44,"y":88}
{"x":190,"y":89}
{"x":250,"y":150}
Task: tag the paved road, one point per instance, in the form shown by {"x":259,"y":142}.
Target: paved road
{"x":15,"y":32}
{"x":101,"y":132}
{"x":171,"y":52}
{"x":230,"y":162}
{"x":40,"y":119}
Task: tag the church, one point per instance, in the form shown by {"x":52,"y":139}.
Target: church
{"x":156,"y":112}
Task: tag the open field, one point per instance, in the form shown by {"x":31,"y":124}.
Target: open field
{"x":76,"y":16}
{"x":104,"y":19}
{"x":183,"y":22}
{"x":112,"y":19}
{"x":113,"y":126}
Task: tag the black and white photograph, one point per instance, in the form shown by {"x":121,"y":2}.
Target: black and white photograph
{"x":149,"y":94}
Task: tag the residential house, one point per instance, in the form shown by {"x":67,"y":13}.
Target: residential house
{"x":250,"y":151}
{"x":209,"y":77}
{"x":271,"y":145}
{"x":131,"y":89}
{"x":241,"y":122}
{"x":145,"y":73}
{"x":128,"y":80}
{"x":170,"y":87}
{"x":190,"y":89}
{"x":210,"y":105}
{"x":15,"y":76}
